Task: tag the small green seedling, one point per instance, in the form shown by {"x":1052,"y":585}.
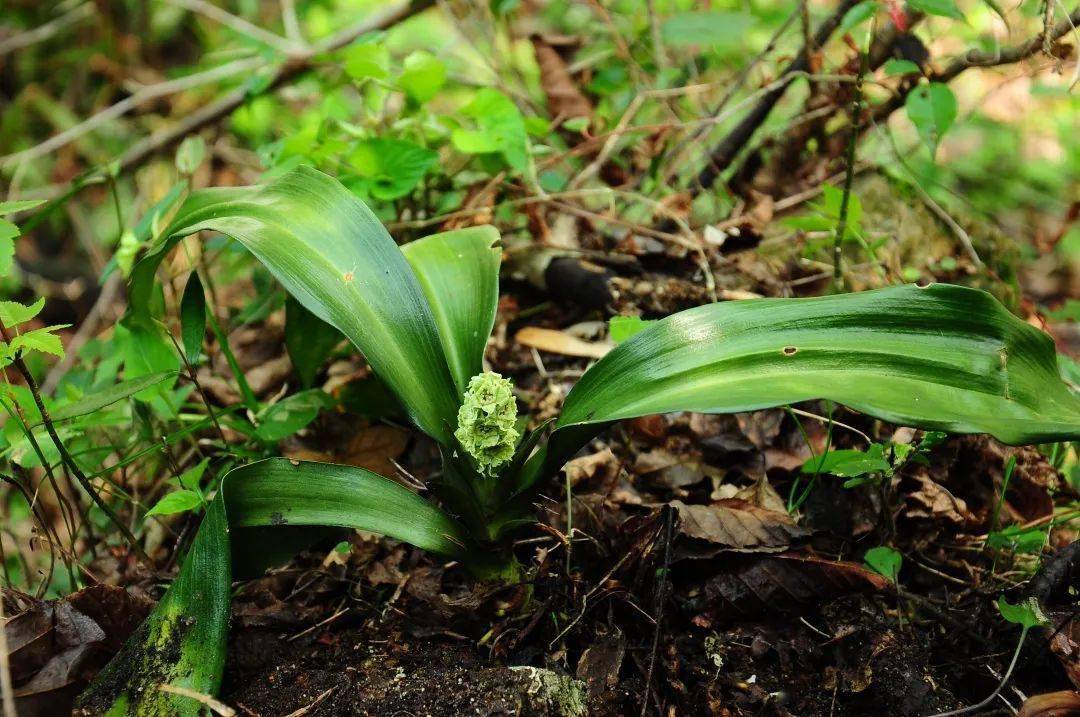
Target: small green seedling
{"x":942,"y":358}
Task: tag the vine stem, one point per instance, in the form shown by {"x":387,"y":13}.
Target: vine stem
{"x":1001,"y":685}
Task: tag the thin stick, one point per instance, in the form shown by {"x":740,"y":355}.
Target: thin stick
{"x":119,"y":109}
{"x":5,"y":669}
{"x":238,"y":24}
{"x":849,"y":176}
{"x":292,"y":23}
{"x":661,"y":594}
{"x":49,"y":29}
{"x":228,"y":102}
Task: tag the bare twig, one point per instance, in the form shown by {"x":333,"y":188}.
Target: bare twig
{"x":292,"y":24}
{"x":849,"y":170}
{"x":49,"y":29}
{"x":119,"y":109}
{"x":7,"y":693}
{"x":239,"y":24}
{"x":735,"y":140}
{"x":228,"y":102}
{"x":219,"y":707}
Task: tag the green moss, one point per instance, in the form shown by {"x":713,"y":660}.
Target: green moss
{"x":487,"y":421}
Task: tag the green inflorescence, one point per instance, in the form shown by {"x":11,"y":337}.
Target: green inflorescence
{"x":487,"y":421}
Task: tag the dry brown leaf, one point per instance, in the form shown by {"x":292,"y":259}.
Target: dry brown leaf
{"x":1065,"y":703}
{"x":787,"y":583}
{"x":560,"y":342}
{"x":933,"y":501}
{"x":586,"y":467}
{"x":600,"y":663}
{"x":564,"y":98}
{"x":733,"y":526}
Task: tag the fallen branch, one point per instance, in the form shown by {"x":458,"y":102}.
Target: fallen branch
{"x":224,"y":105}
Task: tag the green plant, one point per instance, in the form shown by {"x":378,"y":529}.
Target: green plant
{"x":941,"y":357}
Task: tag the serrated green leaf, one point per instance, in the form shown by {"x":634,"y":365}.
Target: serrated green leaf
{"x":21,"y":205}
{"x":858,"y":15}
{"x":178,"y":501}
{"x":43,"y":340}
{"x":12,"y":313}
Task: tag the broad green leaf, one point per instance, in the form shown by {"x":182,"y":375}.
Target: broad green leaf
{"x":183,"y":642}
{"x":501,"y":129}
{"x":19,"y":206}
{"x":942,"y":8}
{"x":1017,"y":539}
{"x":1025,"y":613}
{"x":367,"y":60}
{"x":858,"y":15}
{"x":423,"y":76}
{"x":706,"y":28}
{"x":897,"y":66}
{"x":178,"y":501}
{"x":330,"y":252}
{"x":932,"y":109}
{"x":290,"y":414}
{"x":193,"y":318}
{"x":96,"y":401}
{"x":147,"y":351}
{"x":12,"y":313}
{"x":308,"y":339}
{"x":884,"y":561}
{"x":944,"y":358}
{"x":190,"y":154}
{"x":393,"y":167}
{"x":8,"y":233}
{"x":620,"y":328}
{"x":459,"y":273}
{"x":849,"y":463}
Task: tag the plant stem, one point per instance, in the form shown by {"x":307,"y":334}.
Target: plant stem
{"x":849,"y":175}
{"x":1001,"y":685}
{"x":31,"y":383}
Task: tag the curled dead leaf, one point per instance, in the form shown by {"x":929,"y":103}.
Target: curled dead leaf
{"x":1065,"y":703}
{"x":560,"y":342}
{"x":733,"y":526}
